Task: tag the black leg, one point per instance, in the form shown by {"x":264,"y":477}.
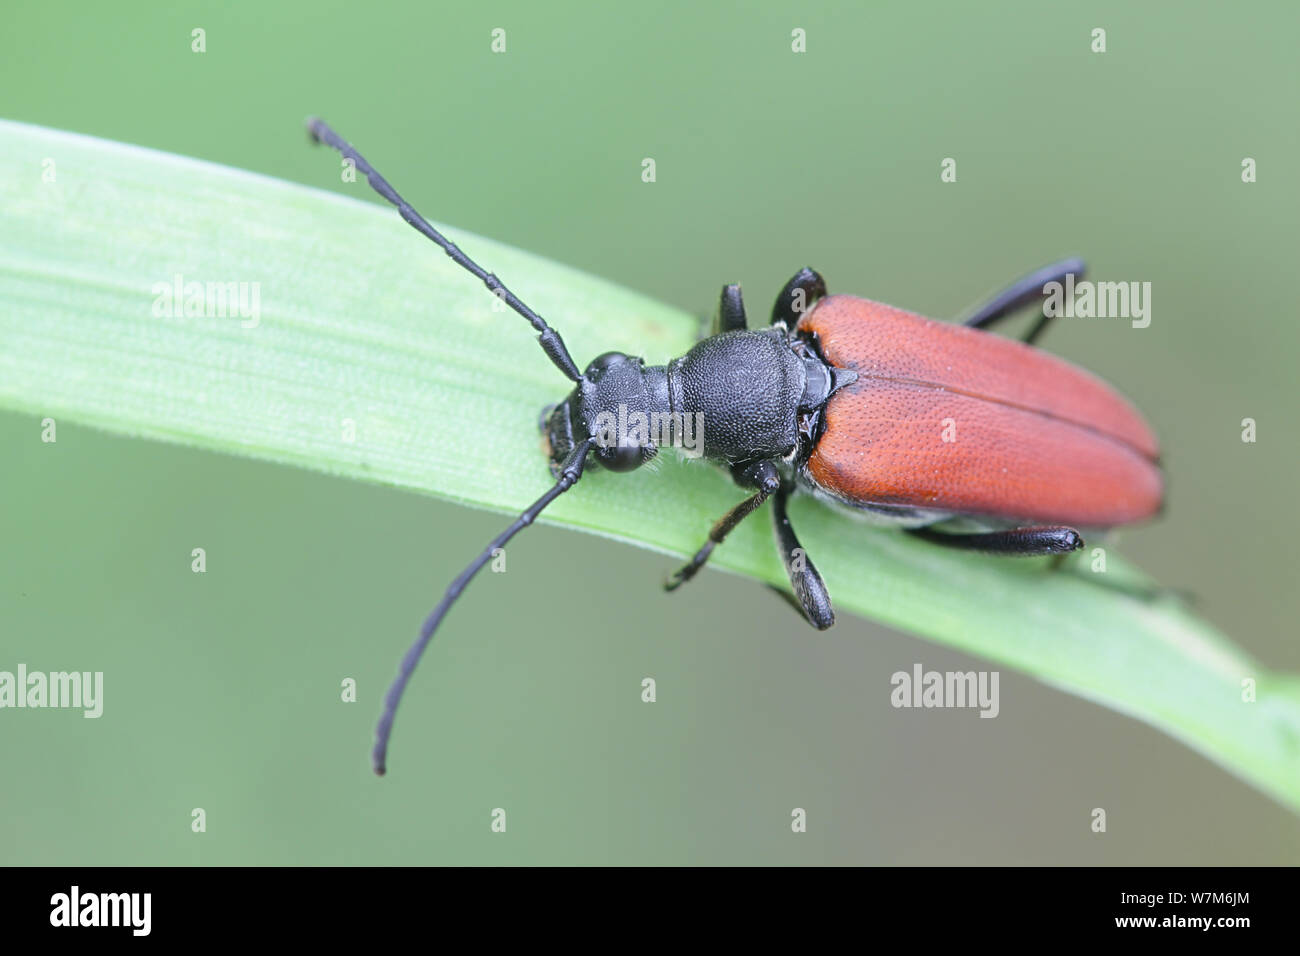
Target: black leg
{"x":798,"y":296}
{"x":1016,"y":542}
{"x":731,"y":311}
{"x":761,"y":475}
{"x":810,"y":595}
{"x":1025,"y":292}
{"x":1035,"y":330}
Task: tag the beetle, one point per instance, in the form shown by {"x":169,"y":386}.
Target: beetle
{"x":856,"y":402}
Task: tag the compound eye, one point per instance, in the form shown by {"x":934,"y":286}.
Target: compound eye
{"x":606,"y":359}
{"x":621,"y":457}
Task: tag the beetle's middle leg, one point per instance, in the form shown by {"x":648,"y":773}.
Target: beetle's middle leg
{"x":763,"y":476}
{"x":810,"y":595}
{"x":797,"y":297}
{"x":1025,"y":292}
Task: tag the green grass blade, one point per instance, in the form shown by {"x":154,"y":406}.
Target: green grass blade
{"x":363,"y":327}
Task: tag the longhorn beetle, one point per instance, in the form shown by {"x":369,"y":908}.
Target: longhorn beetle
{"x":846,"y":398}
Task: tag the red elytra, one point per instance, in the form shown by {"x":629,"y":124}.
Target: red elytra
{"x":1032,"y":436}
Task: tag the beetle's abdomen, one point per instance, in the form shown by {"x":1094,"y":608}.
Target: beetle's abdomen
{"x":957,"y":419}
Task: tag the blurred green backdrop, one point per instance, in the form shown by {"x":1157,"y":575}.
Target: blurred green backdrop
{"x":222,"y":689}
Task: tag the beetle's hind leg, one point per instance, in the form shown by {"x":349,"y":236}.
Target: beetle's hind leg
{"x":1025,"y":292}
{"x":1056,"y":543}
{"x":798,"y":296}
{"x":810,"y":595}
{"x":1014,"y":542}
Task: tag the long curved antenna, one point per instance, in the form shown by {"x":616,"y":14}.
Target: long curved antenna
{"x":549,"y":339}
{"x":570,"y":472}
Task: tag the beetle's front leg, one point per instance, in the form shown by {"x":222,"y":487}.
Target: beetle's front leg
{"x":762,"y":475}
{"x":730,"y":316}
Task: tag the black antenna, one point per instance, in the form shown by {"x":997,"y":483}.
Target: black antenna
{"x":569,"y":475}
{"x":549,"y":339}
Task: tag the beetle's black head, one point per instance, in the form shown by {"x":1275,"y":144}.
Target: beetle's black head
{"x":604,"y":407}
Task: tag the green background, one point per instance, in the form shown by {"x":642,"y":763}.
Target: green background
{"x":222,"y":689}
